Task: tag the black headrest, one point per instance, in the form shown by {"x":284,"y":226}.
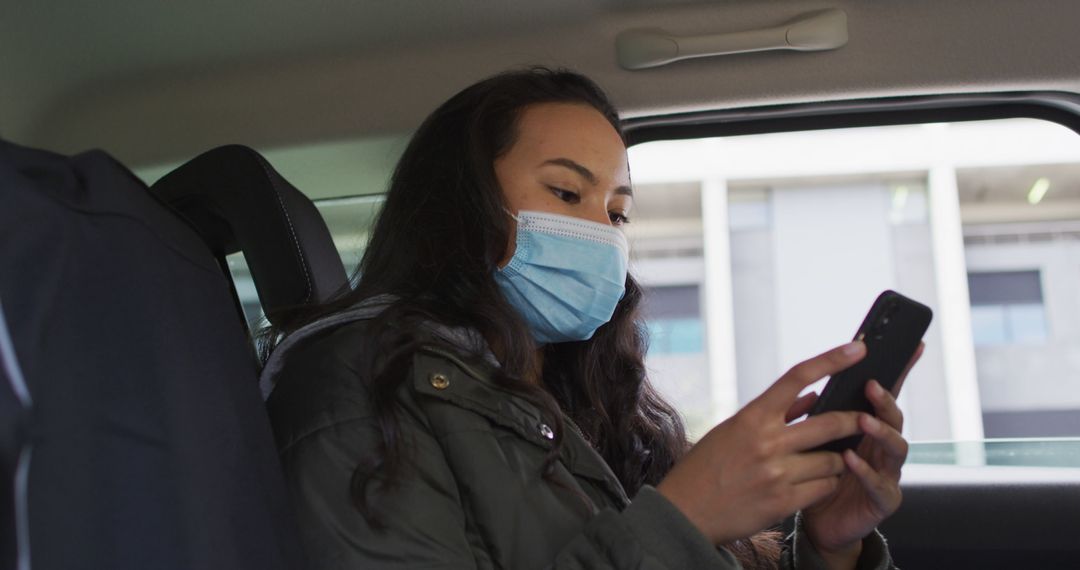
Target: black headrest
{"x":237,"y":202}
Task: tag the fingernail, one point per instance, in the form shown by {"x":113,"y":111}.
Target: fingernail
{"x":876,"y":388}
{"x":872,"y":423}
{"x":852,"y":348}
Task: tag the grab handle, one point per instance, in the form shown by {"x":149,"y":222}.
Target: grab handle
{"x":819,"y":31}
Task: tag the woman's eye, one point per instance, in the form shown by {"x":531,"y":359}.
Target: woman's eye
{"x":565,"y":195}
{"x":618,"y":219}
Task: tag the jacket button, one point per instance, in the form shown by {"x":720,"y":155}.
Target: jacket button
{"x":440,"y":381}
{"x":546,"y":431}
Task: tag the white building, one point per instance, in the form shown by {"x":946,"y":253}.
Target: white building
{"x":786,"y":239}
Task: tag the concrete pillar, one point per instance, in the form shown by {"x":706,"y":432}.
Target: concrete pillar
{"x":718,"y":306}
{"x":954,"y":309}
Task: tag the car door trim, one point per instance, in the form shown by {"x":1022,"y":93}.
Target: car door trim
{"x":1060,"y":107}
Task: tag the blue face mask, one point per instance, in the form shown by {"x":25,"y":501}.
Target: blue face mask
{"x":566,"y":275}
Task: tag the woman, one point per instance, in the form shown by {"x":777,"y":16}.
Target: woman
{"x":479,"y":400}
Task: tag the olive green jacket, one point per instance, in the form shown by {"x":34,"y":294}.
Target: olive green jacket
{"x":471,"y":494}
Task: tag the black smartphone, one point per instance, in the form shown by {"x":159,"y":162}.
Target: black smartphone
{"x":891,"y":331}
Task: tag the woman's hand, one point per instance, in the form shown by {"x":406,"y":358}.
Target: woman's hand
{"x":869,"y":490}
{"x":753,"y":470}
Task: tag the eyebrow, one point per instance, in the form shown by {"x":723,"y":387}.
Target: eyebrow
{"x":585,"y":173}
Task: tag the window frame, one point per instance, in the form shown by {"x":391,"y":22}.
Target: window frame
{"x":1059,"y":107}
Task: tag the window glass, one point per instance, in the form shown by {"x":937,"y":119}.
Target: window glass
{"x":1006,"y":307}
{"x":674,"y":319}
{"x":1004,"y":287}
{"x":666,"y":257}
{"x":1027,"y":323}
{"x":1052,"y":456}
{"x":789,"y":237}
{"x":988,"y":325}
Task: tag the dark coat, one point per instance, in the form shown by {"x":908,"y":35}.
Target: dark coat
{"x":147,"y":445}
{"x":471,"y":494}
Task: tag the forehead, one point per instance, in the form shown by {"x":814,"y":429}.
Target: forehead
{"x":574,"y":131}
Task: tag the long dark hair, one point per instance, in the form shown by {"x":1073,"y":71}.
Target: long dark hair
{"x":435,"y":248}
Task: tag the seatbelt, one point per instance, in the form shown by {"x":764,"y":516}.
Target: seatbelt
{"x":367,"y":309}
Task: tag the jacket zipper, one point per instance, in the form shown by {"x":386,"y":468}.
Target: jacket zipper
{"x":574,"y":426}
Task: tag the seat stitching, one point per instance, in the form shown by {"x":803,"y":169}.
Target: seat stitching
{"x":292,"y":231}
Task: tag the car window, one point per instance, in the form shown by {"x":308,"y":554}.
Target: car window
{"x":1048,"y":452}
{"x":758,"y":251}
{"x":763,"y":250}
{"x":996,"y":461}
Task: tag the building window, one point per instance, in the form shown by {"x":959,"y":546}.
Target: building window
{"x":673,"y":314}
{"x":1007,"y":308}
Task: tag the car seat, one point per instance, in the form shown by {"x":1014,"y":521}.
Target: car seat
{"x":236,"y":202}
{"x":150,"y":443}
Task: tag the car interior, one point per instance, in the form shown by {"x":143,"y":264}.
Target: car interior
{"x":171,"y":174}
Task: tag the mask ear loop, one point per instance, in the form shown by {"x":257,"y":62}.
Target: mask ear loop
{"x":517,"y":220}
